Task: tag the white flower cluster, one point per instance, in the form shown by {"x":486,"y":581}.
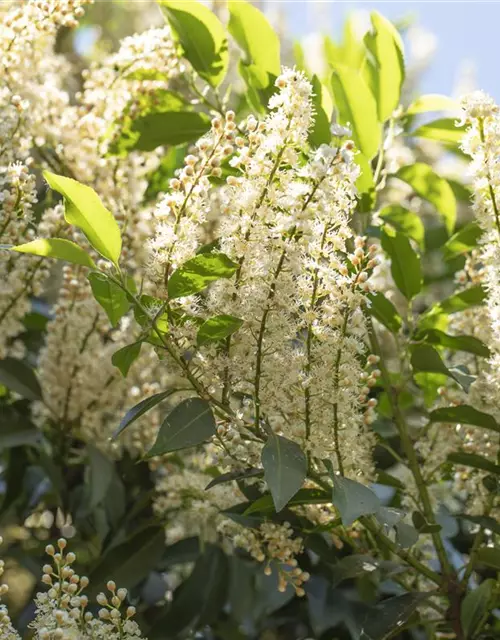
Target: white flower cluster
{"x":7,"y":631}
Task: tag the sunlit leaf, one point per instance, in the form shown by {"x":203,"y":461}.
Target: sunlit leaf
{"x":432,"y":102}
{"x":196,"y":274}
{"x":57,"y":248}
{"x":218,"y":328}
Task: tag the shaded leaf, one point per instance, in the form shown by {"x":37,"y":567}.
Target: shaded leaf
{"x":101,"y":471}
{"x":353,"y":499}
{"x":140,"y":409}
{"x":234,"y":475}
{"x":442,"y":130}
{"x":167,"y":128}
{"x":285,"y":468}
{"x":474,"y":460}
{"x":475,"y":604}
{"x":352,"y":567}
{"x":405,"y":263}
{"x":390,"y":614}
{"x":463,"y":241}
{"x":384,"y":311}
{"x":469,"y":344}
{"x":20,"y":378}
{"x":320,"y":131}
{"x":490,"y":557}
{"x":406,"y":535}
{"x":303,"y":496}
{"x":110,"y":296}
{"x":464,"y":414}
{"x":125,"y":357}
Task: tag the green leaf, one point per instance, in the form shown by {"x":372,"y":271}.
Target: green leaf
{"x":285,"y":468}
{"x":442,"y":130}
{"x":189,"y":424}
{"x":432,"y":102}
{"x":381,"y":622}
{"x":405,"y":263}
{"x":201,"y":36}
{"x":490,"y":557}
{"x":57,"y":248}
{"x":125,"y":357}
{"x":386,"y":46}
{"x":141,"y":408}
{"x":353,"y":499}
{"x":353,"y":566}
{"x":469,"y":344}
{"x":485,"y":522}
{"x":167,"y":128}
{"x":218,"y":328}
{"x":463,"y":241}
{"x":255,"y":36}
{"x":365,"y":184}
{"x":431,"y":187}
{"x":474,"y":606}
{"x":320,"y":132}
{"x":110,"y":296}
{"x":101,"y":471}
{"x":465,"y":414}
{"x":85,"y":210}
{"x":356,"y":106}
{"x":406,"y":535}
{"x":231,"y":476}
{"x":473,"y":460}
{"x":196,"y":274}
{"x":384,"y":311}
{"x":425,"y":358}
{"x":20,"y":378}
{"x":405,"y":221}
{"x":265,"y":504}
{"x":461,"y":301}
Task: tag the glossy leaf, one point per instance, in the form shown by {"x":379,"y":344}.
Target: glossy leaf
{"x":469,"y":344}
{"x":432,"y":102}
{"x":404,"y":221}
{"x":384,"y":311}
{"x":442,"y":130}
{"x":475,"y":605}
{"x":265,"y":504}
{"x":85,"y":210}
{"x":125,"y":357}
{"x":196,"y":274}
{"x":356,"y":105}
{"x":353,"y":566}
{"x":167,"y":128}
{"x":464,"y":414}
{"x":405,"y":263}
{"x":110,"y":296}
{"x":189,"y":424}
{"x":390,"y":614}
{"x":285,"y":468}
{"x":353,"y":499}
{"x":201,"y":36}
{"x":475,"y":461}
{"x":58,"y":249}
{"x":141,"y":408}
{"x":20,"y":378}
{"x":218,"y":328}
{"x":431,"y":187}
{"x":463,"y":241}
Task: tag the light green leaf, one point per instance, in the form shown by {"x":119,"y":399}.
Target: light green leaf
{"x":141,"y":408}
{"x":474,"y":606}
{"x":196,"y":274}
{"x":386,"y":47}
{"x":442,"y":130}
{"x":365,"y":184}
{"x":462,"y":241}
{"x":189,"y":424}
{"x":464,"y":300}
{"x":110,"y":296}
{"x":356,"y":105}
{"x":85,"y":210}
{"x":125,"y":357}
{"x":384,"y":311}
{"x":253,"y":33}
{"x":218,"y":328}
{"x":20,"y":378}
{"x":405,"y":263}
{"x":431,"y":187}
{"x":405,"y":221}
{"x":432,"y":102}
{"x":320,"y":132}
{"x":57,"y":248}
{"x":464,"y":414}
{"x":285,"y":468}
{"x":353,"y":499}
{"x":201,"y":36}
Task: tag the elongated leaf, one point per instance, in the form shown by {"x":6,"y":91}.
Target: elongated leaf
{"x":231,"y":476}
{"x":101,"y":471}
{"x":462,"y":241}
{"x":218,"y":328}
{"x":201,"y":36}
{"x":390,"y":614}
{"x":365,"y":184}
{"x":475,"y":604}
{"x":110,"y":296}
{"x":425,"y":358}
{"x":125,"y":357}
{"x":469,"y":344}
{"x":461,"y":301}
{"x":384,"y":311}
{"x":432,"y":102}
{"x":265,"y":504}
{"x":405,"y":263}
{"x":431,"y":187}
{"x":190,"y":423}
{"x":485,"y":522}
{"x":475,"y":461}
{"x":490,"y":557}
{"x":85,"y":210}
{"x":285,"y":468}
{"x":442,"y":130}
{"x":20,"y":378}
{"x":140,"y":409}
{"x":353,"y":499}
{"x":168,"y":128}
{"x":464,"y":414}
{"x":320,"y":132}
{"x":405,"y":221}
{"x":196,"y":274}
{"x":58,"y":249}
{"x":352,"y":567}
{"x":253,"y":33}
{"x":356,"y":106}
{"x":386,"y":47}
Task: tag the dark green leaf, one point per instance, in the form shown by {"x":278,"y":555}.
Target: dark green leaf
{"x":265,"y":504}
{"x":384,"y":311}
{"x":426,"y":358}
{"x":218,"y":328}
{"x":353,"y":499}
{"x":110,"y":296}
{"x":196,"y":274}
{"x":190,"y":423}
{"x":285,"y":468}
{"x":20,"y":378}
{"x":125,"y":357}
{"x":469,"y":344}
{"x":490,"y":557}
{"x":405,"y":263}
{"x":406,"y":535}
{"x":431,"y":187}
{"x":101,"y":471}
{"x":201,"y":36}
{"x":405,"y":221}
{"x":386,"y":617}
{"x":140,"y":409}
{"x":462,"y":241}
{"x":485,"y":522}
{"x":352,"y":567}
{"x":58,"y":249}
{"x":474,"y":606}
{"x":234,"y":475}
{"x":475,"y":461}
{"x":464,"y":414}
{"x":167,"y":128}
